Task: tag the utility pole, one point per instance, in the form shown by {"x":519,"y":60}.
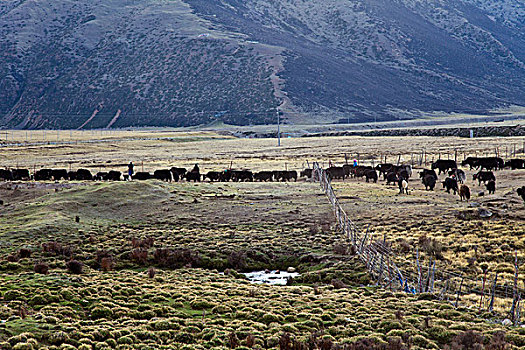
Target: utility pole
{"x":278,"y":129}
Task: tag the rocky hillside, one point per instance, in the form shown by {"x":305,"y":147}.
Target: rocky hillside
{"x":86,"y":64}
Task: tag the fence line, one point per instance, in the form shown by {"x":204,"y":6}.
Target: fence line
{"x":415,"y":278}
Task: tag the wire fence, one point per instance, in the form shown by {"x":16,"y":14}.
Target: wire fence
{"x":495,"y":295}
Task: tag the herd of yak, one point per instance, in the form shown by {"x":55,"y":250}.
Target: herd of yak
{"x":393,"y":174}
{"x":455,"y":181}
{"x":173,"y":174}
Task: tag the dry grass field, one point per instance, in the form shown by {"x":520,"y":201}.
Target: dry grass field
{"x":161,"y":261}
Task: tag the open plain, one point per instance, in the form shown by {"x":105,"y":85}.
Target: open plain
{"x":161,"y":262}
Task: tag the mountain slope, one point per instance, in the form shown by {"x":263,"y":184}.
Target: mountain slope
{"x":152,"y":62}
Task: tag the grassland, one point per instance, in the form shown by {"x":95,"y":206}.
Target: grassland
{"x":130,"y":295}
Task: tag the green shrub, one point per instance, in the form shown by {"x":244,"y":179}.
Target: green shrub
{"x":101,"y":312}
{"x":423,"y":342}
{"x":23,"y":346}
{"x":388,"y":325}
{"x":67,"y":347}
{"x":269,"y":318}
{"x":13,"y":295}
{"x":201,"y":304}
{"x":184,"y":337}
{"x":518,"y":340}
{"x":125,"y":340}
{"x":440,"y":334}
{"x":58,"y":338}
{"x":38,"y":300}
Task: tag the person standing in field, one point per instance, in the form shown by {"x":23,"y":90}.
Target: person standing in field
{"x":355,"y":163}
{"x":130,"y":170}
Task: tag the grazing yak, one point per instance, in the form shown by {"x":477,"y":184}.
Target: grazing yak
{"x":472,"y":162}
{"x":443,"y":165}
{"x":141,"y":176}
{"x":335,"y":172}
{"x":464,"y":193}
{"x":193,"y":176}
{"x":284,"y":175}
{"x":101,"y":176}
{"x":347,"y":168}
{"x":83,"y":175}
{"x":179,"y":172}
{"x":430,"y":182}
{"x":491,"y":186}
{"x":384,"y":168}
{"x":483,"y":176}
{"x":241,"y":175}
{"x":404,"y":174}
{"x":21,"y":174}
{"x":371,"y":174}
{"x":515,"y":164}
{"x":491,"y":163}
{"x":425,"y":172}
{"x":59,"y":174}
{"x":403,"y":186}
{"x":487,"y":163}
{"x":6,"y":175}
{"x":450,"y":184}
{"x":521,"y":192}
{"x":360,"y":170}
{"x":403,"y":170}
{"x":71,"y":175}
{"x":114,"y":175}
{"x":43,"y":175}
{"x":163,"y":175}
{"x":458,"y":174}
{"x":212,"y":175}
{"x":391,"y":177}
{"x":307,"y":173}
{"x":263,"y":176}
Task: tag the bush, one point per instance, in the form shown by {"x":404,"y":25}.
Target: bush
{"x":107,"y":264}
{"x":176,"y":258}
{"x":125,"y":340}
{"x":12,"y":295}
{"x":143,"y":243}
{"x":139,"y":255}
{"x":100,"y":312}
{"x":38,"y":300}
{"x":200,"y":304}
{"x":24,"y":253}
{"x":41,"y":268}
{"x":151,"y":272}
{"x":467,"y":340}
{"x":184,"y":337}
{"x":57,"y":249}
{"x":13,"y":258}
{"x":75,"y":266}
{"x":338,"y":284}
{"x":340,"y":249}
{"x":58,"y":338}
{"x":237,"y":260}
{"x":269,"y":318}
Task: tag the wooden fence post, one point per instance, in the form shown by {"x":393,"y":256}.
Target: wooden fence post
{"x":515,"y":289}
{"x":483,"y":288}
{"x":418,"y":271}
{"x":493,"y":293}
{"x":444,"y":290}
{"x":459,"y":293}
